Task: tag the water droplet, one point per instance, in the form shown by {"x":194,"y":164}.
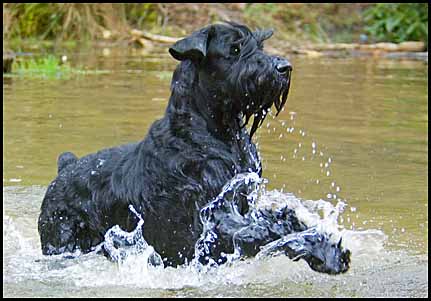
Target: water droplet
{"x":313,"y":144}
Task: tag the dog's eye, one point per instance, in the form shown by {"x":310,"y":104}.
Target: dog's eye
{"x":235,"y":49}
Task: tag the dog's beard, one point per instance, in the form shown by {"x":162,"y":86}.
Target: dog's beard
{"x":258,"y":93}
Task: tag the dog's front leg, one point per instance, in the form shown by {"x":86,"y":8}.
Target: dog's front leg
{"x":225,"y":216}
{"x":315,"y":248}
{"x":228,"y":239}
{"x":264,"y":236}
{"x":265,"y":232}
{"x":230,"y":233}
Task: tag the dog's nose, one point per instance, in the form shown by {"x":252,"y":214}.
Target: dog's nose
{"x":283,"y":66}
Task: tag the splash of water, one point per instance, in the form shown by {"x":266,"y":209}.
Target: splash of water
{"x":24,"y":261}
{"x":227,"y":201}
{"x":320,"y":217}
{"x":121,"y":245}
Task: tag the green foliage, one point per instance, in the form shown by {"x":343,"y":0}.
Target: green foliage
{"x":33,"y":19}
{"x":322,"y":22}
{"x":65,"y":21}
{"x":140,"y":14}
{"x":260,"y":14}
{"x":263,"y":15}
{"x":49,"y":67}
{"x":397,"y":22}
{"x":302,"y":21}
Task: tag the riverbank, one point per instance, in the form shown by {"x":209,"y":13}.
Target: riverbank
{"x":149,"y":43}
{"x":315,"y":30}
{"x":297,"y":23}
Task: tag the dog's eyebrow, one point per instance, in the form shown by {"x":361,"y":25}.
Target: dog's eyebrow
{"x":249,"y":44}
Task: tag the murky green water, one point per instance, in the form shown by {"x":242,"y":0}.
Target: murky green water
{"x":353,"y":129}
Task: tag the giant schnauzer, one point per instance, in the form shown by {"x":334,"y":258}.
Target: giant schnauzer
{"x":175,"y":177}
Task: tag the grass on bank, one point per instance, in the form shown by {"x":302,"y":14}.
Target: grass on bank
{"x":49,"y":67}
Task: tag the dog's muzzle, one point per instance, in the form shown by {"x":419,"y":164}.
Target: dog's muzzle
{"x":284,"y":69}
{"x":283,"y":66}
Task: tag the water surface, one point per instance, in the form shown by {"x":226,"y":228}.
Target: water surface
{"x":353,"y":129}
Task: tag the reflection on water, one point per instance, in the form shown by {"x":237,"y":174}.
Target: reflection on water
{"x":354,"y":130}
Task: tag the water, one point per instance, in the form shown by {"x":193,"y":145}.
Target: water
{"x":351,"y":148}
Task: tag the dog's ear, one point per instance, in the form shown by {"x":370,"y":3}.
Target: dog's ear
{"x":263,"y":35}
{"x":193,"y":47}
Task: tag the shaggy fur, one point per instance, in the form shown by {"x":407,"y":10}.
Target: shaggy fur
{"x":224,"y":81}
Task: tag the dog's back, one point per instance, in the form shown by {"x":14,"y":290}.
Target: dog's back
{"x":71,"y":213}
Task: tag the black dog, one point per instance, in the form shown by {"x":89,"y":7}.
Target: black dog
{"x":174,"y":176}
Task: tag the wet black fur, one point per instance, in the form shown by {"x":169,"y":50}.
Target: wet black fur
{"x":224,"y":81}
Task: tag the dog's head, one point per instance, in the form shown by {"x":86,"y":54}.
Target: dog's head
{"x":236,"y":71}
